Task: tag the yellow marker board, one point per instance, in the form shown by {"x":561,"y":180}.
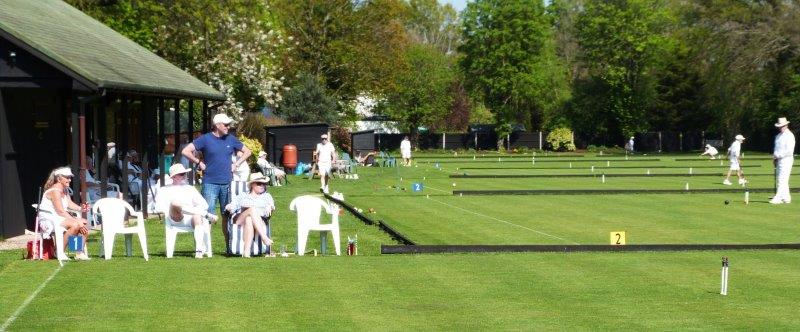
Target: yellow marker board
{"x":617,"y":238}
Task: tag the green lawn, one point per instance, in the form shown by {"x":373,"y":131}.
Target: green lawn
{"x":515,"y":291}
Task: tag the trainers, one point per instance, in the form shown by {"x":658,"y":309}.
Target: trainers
{"x":727,"y":182}
{"x":776,"y":201}
{"x":198,"y":254}
{"x":212,"y":217}
{"x":82,"y":256}
{"x":742,"y":181}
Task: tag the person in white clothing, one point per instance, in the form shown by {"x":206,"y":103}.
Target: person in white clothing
{"x":183,"y":205}
{"x":325,"y":156}
{"x":53,"y":209}
{"x":242,"y":173}
{"x":734,"y":156}
{"x":405,"y":151}
{"x":629,"y":146}
{"x":266,"y":167}
{"x":710,"y":151}
{"x":248,"y":210}
{"x":783,"y":158}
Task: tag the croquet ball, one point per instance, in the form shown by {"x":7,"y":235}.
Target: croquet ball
{"x":454,"y":184}
{"x":727,"y":202}
{"x":371,"y":210}
{"x":360,"y":210}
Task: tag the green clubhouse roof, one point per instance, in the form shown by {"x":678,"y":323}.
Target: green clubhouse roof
{"x":93,"y":53}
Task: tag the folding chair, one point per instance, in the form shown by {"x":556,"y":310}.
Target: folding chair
{"x":235,"y":245}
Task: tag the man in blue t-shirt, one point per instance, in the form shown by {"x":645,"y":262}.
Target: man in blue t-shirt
{"x":217,"y":148}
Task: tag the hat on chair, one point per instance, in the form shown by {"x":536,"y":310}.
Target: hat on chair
{"x":178,"y":169}
{"x":781,"y":122}
{"x":257,"y":177}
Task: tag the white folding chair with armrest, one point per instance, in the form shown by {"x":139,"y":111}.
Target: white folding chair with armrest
{"x":112,"y":211}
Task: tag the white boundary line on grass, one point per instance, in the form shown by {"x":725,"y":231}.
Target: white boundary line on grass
{"x":28,"y":300}
{"x":500,"y":220}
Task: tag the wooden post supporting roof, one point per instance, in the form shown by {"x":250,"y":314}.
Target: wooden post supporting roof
{"x":176,"y":138}
{"x":161,"y":141}
{"x":122,"y":134}
{"x":190,"y":138}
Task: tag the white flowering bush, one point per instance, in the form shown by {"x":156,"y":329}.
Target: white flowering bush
{"x":236,"y":54}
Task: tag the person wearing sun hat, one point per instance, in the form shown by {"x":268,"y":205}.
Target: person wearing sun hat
{"x":278,"y":174}
{"x":53,"y":210}
{"x":710,"y":151}
{"x":734,"y":157}
{"x":783,"y":158}
{"x":183,"y":205}
{"x":248,"y":211}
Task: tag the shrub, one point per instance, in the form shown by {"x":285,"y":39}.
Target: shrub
{"x":560,"y":139}
{"x":252,"y":125}
{"x":255,"y":147}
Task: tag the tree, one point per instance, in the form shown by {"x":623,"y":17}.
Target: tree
{"x":619,"y":40}
{"x":308,"y":102}
{"x":234,"y":46}
{"x":509,"y":59}
{"x":352,"y":46}
{"x":422,"y":94}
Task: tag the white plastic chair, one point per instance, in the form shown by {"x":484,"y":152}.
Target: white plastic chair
{"x":58,"y":237}
{"x":171,"y":231}
{"x":112,"y":211}
{"x":308,"y":219}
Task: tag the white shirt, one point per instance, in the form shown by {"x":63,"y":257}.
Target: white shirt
{"x":735,"y":150}
{"x":325,"y":153}
{"x":711,"y":151}
{"x":631,"y":143}
{"x":405,"y":145}
{"x":784,"y":145}
{"x":185,"y":195}
{"x":242,"y":173}
{"x":263,"y":163}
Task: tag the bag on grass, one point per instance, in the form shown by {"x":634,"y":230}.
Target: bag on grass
{"x":48,"y":249}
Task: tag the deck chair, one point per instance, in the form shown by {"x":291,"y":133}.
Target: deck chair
{"x":308,"y":219}
{"x":235,"y":245}
{"x":388,"y":160}
{"x":113,"y":213}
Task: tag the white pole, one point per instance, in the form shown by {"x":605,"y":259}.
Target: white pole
{"x":443,"y":142}
{"x":690,"y":171}
{"x":724,"y":277}
{"x":592,"y":169}
{"x":747,"y":197}
{"x":603,"y":178}
{"x":648,"y":172}
{"x":687,"y":186}
{"x":570,"y":165}
{"x":608,"y":163}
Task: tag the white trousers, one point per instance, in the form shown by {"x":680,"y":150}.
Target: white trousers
{"x":784,"y":169}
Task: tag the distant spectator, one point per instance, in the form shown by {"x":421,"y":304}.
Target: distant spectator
{"x":266,"y":167}
{"x":629,"y":146}
{"x":783,"y":159}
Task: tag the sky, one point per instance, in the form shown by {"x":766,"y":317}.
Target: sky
{"x":458,"y":4}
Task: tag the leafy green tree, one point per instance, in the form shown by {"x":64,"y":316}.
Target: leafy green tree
{"x":422,"y":94}
{"x":619,"y":40}
{"x":353,"y":46}
{"x":509,"y":59}
{"x":308,"y":102}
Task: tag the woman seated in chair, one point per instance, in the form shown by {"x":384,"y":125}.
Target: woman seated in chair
{"x":267,"y":168}
{"x":248,"y":209}
{"x":53,"y":209}
{"x":183,"y":205}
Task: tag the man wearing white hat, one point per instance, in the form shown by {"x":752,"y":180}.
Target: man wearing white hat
{"x":217,"y":147}
{"x":182,"y":204}
{"x":325,"y":154}
{"x":710,"y":151}
{"x":783,"y":158}
{"x":734,"y":155}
